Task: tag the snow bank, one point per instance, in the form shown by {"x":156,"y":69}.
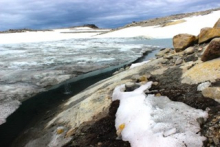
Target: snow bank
{"x":150,"y":121}
{"x":192,"y":25}
{"x":56,"y":34}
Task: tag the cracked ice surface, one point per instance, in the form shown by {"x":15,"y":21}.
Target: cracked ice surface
{"x":30,"y":68}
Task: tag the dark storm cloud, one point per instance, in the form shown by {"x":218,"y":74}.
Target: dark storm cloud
{"x":112,"y":13}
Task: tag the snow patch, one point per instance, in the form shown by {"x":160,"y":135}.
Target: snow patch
{"x":203,"y":86}
{"x":138,"y":64}
{"x":8,"y":108}
{"x":151,"y":121}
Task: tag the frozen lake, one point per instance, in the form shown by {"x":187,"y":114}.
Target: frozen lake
{"x":30,"y":68}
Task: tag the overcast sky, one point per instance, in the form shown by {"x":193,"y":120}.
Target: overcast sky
{"x":43,"y":14}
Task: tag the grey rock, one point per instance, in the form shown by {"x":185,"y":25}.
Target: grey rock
{"x":130,"y":86}
{"x":163,"y":52}
{"x":179,"y":61}
{"x":189,"y":50}
{"x":165,"y":61}
{"x":191,"y":57}
{"x":169,"y":56}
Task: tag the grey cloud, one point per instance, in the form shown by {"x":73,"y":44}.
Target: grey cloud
{"x":111,"y":13}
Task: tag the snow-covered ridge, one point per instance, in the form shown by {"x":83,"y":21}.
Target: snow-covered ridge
{"x":190,"y":25}
{"x":54,"y":35}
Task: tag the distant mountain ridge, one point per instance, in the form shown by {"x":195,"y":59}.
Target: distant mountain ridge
{"x":164,"y":20}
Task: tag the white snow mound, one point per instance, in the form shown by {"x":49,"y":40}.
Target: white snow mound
{"x":150,"y":121}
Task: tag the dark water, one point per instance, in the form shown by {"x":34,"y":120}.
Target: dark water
{"x":39,"y":104}
{"x":50,"y":100}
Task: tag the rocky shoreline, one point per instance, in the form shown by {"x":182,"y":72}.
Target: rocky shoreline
{"x":23,"y":30}
{"x":92,"y":26}
{"x":36,"y":104}
{"x":189,"y":73}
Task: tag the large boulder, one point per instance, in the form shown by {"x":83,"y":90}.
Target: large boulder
{"x":203,"y":72}
{"x":212,"y":51}
{"x":206,"y":34}
{"x":217,"y":24}
{"x":182,"y":41}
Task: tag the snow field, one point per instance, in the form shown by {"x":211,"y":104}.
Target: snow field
{"x":192,"y":25}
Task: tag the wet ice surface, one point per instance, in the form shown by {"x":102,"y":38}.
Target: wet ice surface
{"x":30,"y":68}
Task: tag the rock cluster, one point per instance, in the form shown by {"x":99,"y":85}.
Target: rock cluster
{"x":207,"y":49}
{"x":182,"y":41}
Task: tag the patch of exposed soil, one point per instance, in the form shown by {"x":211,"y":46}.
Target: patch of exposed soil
{"x":99,"y":134}
{"x":170,"y":86}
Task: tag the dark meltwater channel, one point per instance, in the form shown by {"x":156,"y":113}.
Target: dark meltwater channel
{"x":50,"y":100}
{"x":37,"y":106}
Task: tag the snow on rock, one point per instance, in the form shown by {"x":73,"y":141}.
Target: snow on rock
{"x":150,"y":121}
{"x":138,"y":64}
{"x":203,"y":86}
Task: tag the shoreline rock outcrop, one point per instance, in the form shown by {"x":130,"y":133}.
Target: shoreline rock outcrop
{"x":182,"y":41}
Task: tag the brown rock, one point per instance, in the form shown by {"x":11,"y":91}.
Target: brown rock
{"x":182,"y":41}
{"x":212,"y":51}
{"x":143,"y":78}
{"x":207,"y":34}
{"x":217,"y":24}
{"x":130,"y":86}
